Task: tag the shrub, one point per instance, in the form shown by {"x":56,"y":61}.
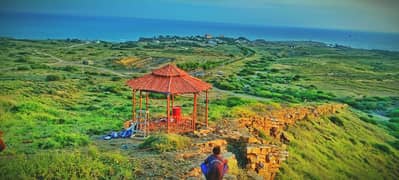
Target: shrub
{"x":336,"y":120}
{"x":155,"y":96}
{"x":382,"y":148}
{"x":23,"y":68}
{"x":367,"y":119}
{"x":48,"y":144}
{"x":73,"y":140}
{"x":69,"y":68}
{"x":234,"y":101}
{"x":111,"y":89}
{"x":218,"y":112}
{"x":394,"y":120}
{"x":226,"y":85}
{"x":68,"y":165}
{"x":52,"y":77}
{"x":394,"y":113}
{"x":166,"y":142}
{"x":116,"y":78}
{"x":395,"y":144}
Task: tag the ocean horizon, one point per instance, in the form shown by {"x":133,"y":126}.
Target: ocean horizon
{"x":120,"y":29}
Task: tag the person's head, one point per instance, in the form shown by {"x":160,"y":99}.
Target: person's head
{"x":216,"y":150}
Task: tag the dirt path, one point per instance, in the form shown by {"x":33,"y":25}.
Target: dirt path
{"x":232,"y":65}
{"x":241,"y":95}
{"x":66,"y":63}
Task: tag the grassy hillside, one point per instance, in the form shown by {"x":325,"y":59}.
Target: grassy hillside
{"x":58,"y":97}
{"x":340,"y":147}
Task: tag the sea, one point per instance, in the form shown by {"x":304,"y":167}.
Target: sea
{"x":120,"y":29}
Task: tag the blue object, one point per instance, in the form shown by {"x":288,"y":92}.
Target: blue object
{"x":107,"y":137}
{"x":114,"y":135}
{"x":125,"y":133}
{"x":204,"y":168}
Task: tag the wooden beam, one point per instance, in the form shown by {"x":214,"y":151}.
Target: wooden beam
{"x":168,"y":111}
{"x":206,"y":108}
{"x":194,"y":110}
{"x":134,"y":105}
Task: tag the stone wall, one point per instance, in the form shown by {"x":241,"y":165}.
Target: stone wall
{"x":264,"y":158}
{"x":279,"y":119}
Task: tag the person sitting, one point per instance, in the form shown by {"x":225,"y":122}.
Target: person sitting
{"x":216,"y":165}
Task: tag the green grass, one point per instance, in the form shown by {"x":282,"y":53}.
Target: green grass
{"x":165,"y":142}
{"x":322,"y":149}
{"x":88,"y":164}
{"x":57,"y":96}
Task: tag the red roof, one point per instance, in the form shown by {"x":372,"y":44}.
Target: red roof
{"x":169,"y":79}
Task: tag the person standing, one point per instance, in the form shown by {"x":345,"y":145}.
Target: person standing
{"x":216,"y":165}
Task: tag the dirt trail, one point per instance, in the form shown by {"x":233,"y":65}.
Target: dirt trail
{"x":241,"y":95}
{"x":67,"y":63}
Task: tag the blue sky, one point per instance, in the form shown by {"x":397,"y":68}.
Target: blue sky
{"x":363,"y":15}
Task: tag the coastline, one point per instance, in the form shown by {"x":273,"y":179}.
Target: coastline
{"x":116,"y":29}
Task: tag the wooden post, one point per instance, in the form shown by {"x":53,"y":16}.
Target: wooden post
{"x":168,"y":111}
{"x":194,"y":110}
{"x":147,"y":115}
{"x":140,"y":107}
{"x":206,"y":108}
{"x":171,"y":106}
{"x":173,"y":100}
{"x":134,"y":105}
{"x":146,"y":101}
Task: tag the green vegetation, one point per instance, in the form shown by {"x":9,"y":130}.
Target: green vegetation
{"x":58,"y":97}
{"x":67,"y":165}
{"x":356,"y":150}
{"x":166,"y":142}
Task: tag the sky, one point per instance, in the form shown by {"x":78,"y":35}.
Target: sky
{"x":359,"y":15}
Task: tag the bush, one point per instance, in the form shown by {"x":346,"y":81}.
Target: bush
{"x":394,"y":120}
{"x":394,"y":113}
{"x":382,"y":148}
{"x":52,"y":77}
{"x":69,"y":68}
{"x":68,"y":165}
{"x":234,"y":101}
{"x":369,"y":120}
{"x":395,"y":144}
{"x":73,"y":140}
{"x":336,"y":120}
{"x":23,"y":68}
{"x":166,"y":142}
{"x":116,"y":78}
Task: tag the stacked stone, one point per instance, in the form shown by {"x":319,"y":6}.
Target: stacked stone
{"x":279,"y":119}
{"x":206,"y":147}
{"x":265,"y":160}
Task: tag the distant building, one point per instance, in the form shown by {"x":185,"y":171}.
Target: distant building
{"x":208,"y":36}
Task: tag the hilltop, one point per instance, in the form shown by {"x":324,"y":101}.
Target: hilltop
{"x":59,"y":97}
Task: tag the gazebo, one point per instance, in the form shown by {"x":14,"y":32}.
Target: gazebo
{"x":171,"y":81}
